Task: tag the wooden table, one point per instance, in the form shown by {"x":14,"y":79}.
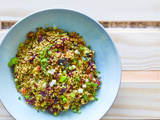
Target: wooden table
{"x":135,"y":29}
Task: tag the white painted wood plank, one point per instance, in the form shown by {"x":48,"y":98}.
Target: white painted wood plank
{"x":114,"y":10}
{"x":134,"y":101}
{"x":139,"y":49}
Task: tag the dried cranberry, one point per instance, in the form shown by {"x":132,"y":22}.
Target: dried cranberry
{"x":98,"y":82}
{"x":55,"y":101}
{"x":12,"y":68}
{"x":64,"y":89}
{"x":30,"y":101}
{"x":55,"y":75}
{"x":69,"y":73}
{"x":71,"y":86}
{"x":40,"y":39}
{"x":34,"y":56}
{"x":48,"y":89}
{"x":91,"y":64}
{"x":51,"y":110}
{"x":43,"y":93}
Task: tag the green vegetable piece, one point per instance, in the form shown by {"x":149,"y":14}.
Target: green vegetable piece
{"x":85,"y":96}
{"x":64,"y":72}
{"x":49,"y":53}
{"x":39,"y":74}
{"x":45,"y":51}
{"x":67,"y":79}
{"x":94,"y":94}
{"x":21,"y":44}
{"x":19,"y":98}
{"x":62,"y":96}
{"x":70,"y":67}
{"x":92,"y":84}
{"x":64,"y":99}
{"x":85,"y":68}
{"x":79,"y":111}
{"x":79,"y":64}
{"x":80,"y":36}
{"x":79,"y":79}
{"x":36,"y":79}
{"x":87,"y":83}
{"x":44,"y":60}
{"x":76,"y":61}
{"x":17,"y":86}
{"x":75,"y":111}
{"x":98,"y":72}
{"x":89,"y":47}
{"x":72,"y":95}
{"x":66,"y":110}
{"x":10,"y":64}
{"x":47,"y":58}
{"x":95,"y":98}
{"x":75,"y":79}
{"x":62,"y":78}
{"x":55,"y":114}
{"x":56,"y":49}
{"x":47,"y":47}
{"x":26,"y":96}
{"x":25,"y":74}
{"x":15,"y":79}
{"x":14,"y":60}
{"x":81,"y":49}
{"x":30,"y":98}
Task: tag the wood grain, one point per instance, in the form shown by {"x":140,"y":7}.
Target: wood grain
{"x":139,"y":100}
{"x":139,"y":49}
{"x":106,"y":10}
{"x":136,"y":101}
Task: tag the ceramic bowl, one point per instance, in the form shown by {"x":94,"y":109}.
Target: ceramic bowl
{"x":106,"y":57}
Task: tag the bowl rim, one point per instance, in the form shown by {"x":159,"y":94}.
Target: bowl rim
{"x":76,"y":11}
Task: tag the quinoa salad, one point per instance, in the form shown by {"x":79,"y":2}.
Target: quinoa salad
{"x":55,"y":71}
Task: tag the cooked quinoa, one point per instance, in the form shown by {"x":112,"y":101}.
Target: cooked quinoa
{"x":55,"y":71}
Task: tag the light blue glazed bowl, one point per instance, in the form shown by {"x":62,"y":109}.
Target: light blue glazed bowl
{"x":106,"y":57}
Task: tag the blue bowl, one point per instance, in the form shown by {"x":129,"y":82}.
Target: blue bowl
{"x":106,"y":57}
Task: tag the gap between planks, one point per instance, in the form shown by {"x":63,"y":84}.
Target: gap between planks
{"x":140,"y":76}
{"x":106,"y":24}
{"x":0,"y":25}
